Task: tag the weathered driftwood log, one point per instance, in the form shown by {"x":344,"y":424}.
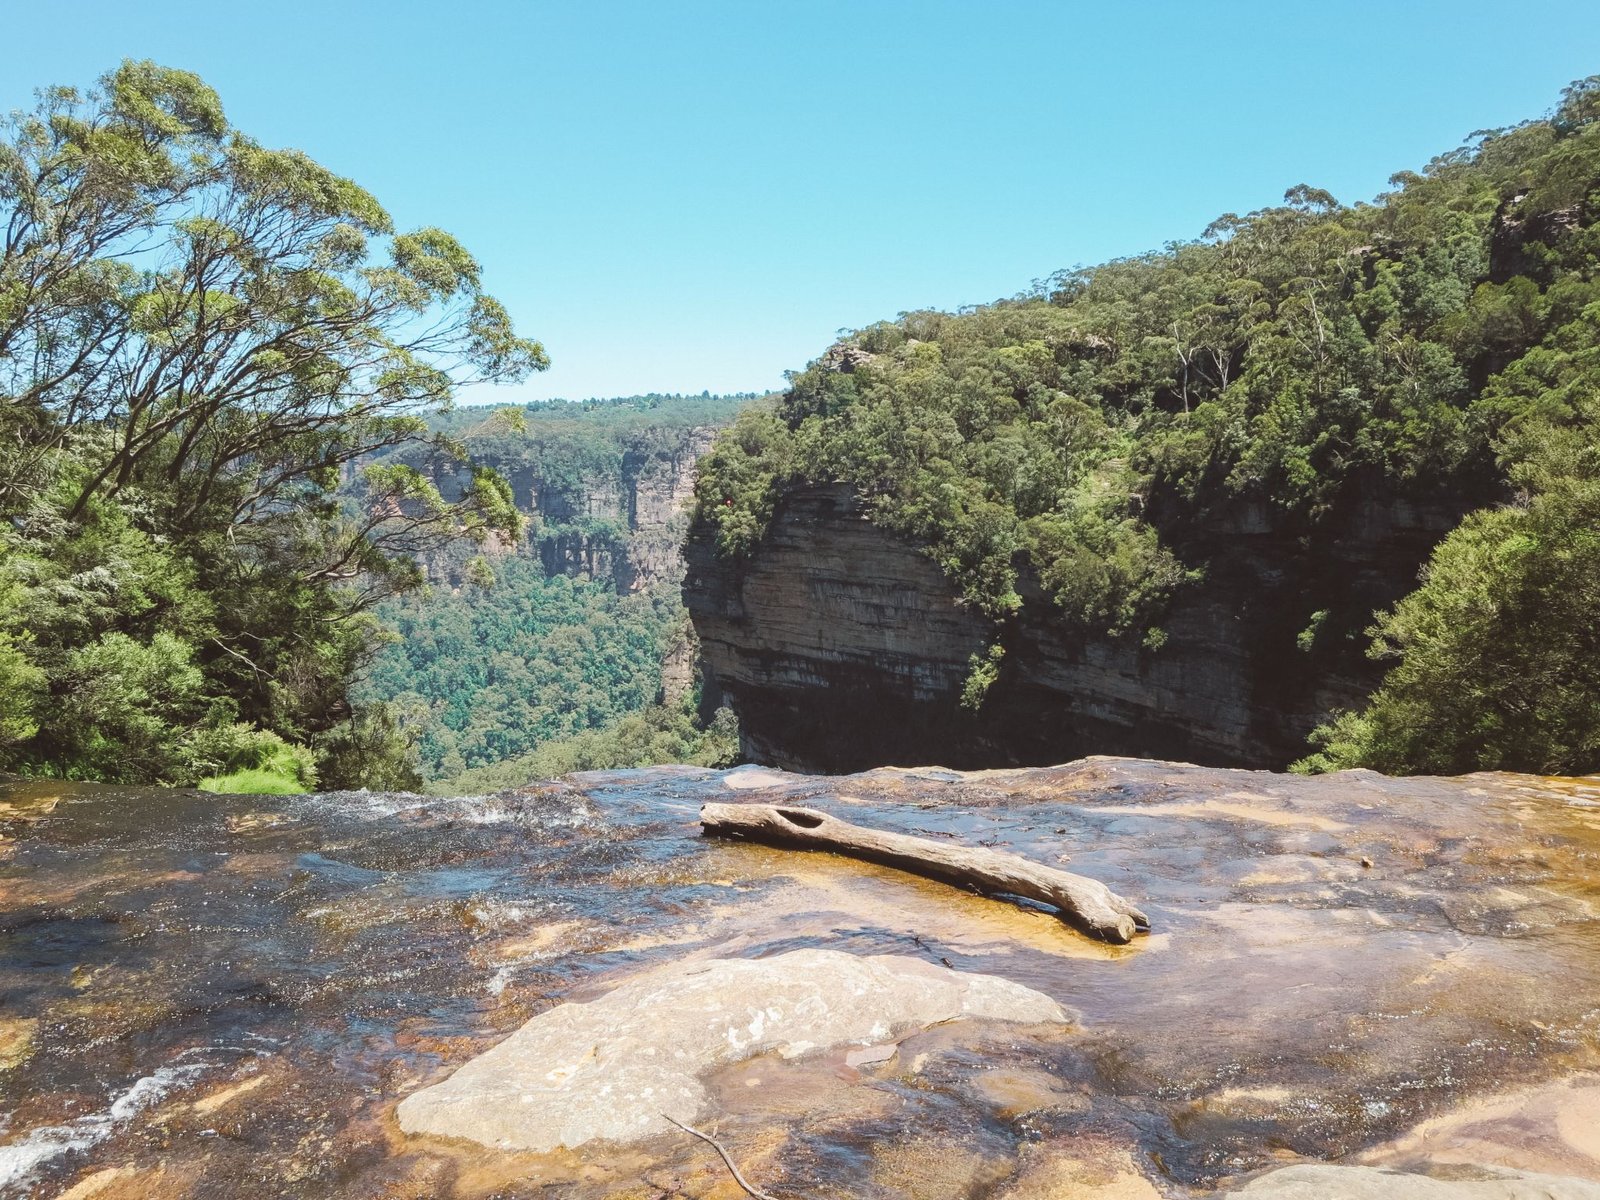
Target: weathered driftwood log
{"x":1083,"y":902}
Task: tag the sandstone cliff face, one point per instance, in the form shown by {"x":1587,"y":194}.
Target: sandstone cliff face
{"x":842,"y":646}
{"x":626,"y":527}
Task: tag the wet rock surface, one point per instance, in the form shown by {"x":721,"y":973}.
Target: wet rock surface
{"x":1371,"y":1183}
{"x":211,"y":996}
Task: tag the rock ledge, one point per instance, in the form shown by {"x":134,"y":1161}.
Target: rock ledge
{"x":609,"y":1069}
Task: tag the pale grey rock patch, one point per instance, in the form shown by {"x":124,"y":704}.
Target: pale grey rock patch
{"x":869,"y":1055}
{"x":1330,"y":1182}
{"x":608,"y":1069}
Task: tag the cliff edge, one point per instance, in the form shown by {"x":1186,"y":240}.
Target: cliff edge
{"x":841,"y":645}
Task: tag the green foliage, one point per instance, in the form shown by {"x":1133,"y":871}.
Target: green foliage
{"x":489,"y":674}
{"x":1285,"y":357}
{"x":1442,"y":341}
{"x":127,"y":703}
{"x":253,"y":782}
{"x":1306,"y":640}
{"x":199,"y":338}
{"x":982,"y":671}
{"x":239,"y":758}
{"x":747,"y":463}
{"x":657,"y":734}
{"x":502,"y":664}
{"x":1105,"y":572}
{"x":1493,"y":655}
{"x":370,"y":749}
{"x":23,"y":686}
{"x":595,"y":421}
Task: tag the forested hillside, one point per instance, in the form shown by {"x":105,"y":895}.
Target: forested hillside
{"x":229,"y":454}
{"x":228,"y":459}
{"x":200,"y":337}
{"x":604,"y":484}
{"x":1440,"y":345}
{"x":543,"y":651}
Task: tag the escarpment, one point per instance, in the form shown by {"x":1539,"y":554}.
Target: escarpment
{"x":1184,"y":492}
{"x":620,"y":520}
{"x":842,"y":645}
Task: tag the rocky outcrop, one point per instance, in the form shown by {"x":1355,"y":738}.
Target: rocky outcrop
{"x":625,"y":526}
{"x":1520,"y":237}
{"x":1356,"y":986}
{"x":1327,"y":1182}
{"x":616,"y":1068}
{"x":678,"y":666}
{"x":841,"y":645}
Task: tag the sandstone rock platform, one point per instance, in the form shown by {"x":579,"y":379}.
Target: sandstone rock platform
{"x":1320,"y":1181}
{"x":614,"y":1068}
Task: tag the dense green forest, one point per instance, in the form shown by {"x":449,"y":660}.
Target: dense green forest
{"x":528,"y":660}
{"x":517,"y":660}
{"x":655,"y":734}
{"x":200,"y":338}
{"x":1444,"y":338}
{"x":602,"y":425}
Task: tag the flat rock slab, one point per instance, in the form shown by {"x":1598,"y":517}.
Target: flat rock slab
{"x":1390,"y":973}
{"x":1326,"y":1182}
{"x":612,"y":1069}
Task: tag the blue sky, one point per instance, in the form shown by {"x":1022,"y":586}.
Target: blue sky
{"x":686,"y":196}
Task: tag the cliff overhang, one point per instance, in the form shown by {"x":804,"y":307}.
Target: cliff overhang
{"x":843,"y":646}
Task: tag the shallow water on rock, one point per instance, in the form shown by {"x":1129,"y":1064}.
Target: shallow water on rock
{"x":207,"y":996}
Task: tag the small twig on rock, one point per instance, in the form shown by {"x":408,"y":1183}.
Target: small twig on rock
{"x":717,"y":1146}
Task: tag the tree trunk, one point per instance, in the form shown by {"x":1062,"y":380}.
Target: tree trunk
{"x":1085,"y":903}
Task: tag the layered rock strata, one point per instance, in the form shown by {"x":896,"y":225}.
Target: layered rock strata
{"x":625,"y":527}
{"x":842,"y":646}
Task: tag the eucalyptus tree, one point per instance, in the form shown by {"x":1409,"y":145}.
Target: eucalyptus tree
{"x":203,"y":342}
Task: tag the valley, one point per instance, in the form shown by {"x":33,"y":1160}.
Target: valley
{"x":1136,"y":738}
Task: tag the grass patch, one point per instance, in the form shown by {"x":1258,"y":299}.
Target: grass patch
{"x":256,"y":781}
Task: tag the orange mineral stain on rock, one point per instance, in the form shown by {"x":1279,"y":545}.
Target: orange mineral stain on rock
{"x":16,"y":1040}
{"x":210,"y":1104}
{"x":1553,"y":1129}
{"x":96,"y":1183}
{"x":1236,"y":806}
{"x":1091,"y":1169}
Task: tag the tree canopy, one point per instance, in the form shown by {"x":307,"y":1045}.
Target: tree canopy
{"x":201,"y":338}
{"x":1439,"y":341}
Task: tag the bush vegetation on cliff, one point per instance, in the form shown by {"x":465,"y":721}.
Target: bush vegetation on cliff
{"x":198,"y":337}
{"x":1440,"y":339}
{"x":1493,"y":656}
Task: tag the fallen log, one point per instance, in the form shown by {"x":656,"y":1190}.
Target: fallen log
{"x":1085,"y":903}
